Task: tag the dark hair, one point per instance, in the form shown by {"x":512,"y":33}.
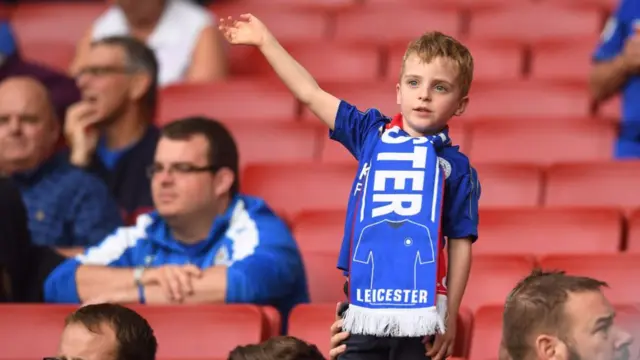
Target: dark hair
{"x":537,"y":304}
{"x":135,"y":337}
{"x":277,"y":348}
{"x":140,"y":58}
{"x":223,"y":151}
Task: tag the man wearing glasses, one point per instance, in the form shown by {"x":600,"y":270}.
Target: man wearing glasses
{"x":110,"y":131}
{"x":204,"y":243}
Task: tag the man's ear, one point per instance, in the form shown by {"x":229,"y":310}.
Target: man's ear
{"x":548,"y":347}
{"x":140,"y":84}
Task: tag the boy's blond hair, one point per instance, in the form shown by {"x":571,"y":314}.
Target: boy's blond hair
{"x":436,"y":44}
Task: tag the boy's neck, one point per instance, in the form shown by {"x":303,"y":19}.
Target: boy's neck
{"x":413,"y":133}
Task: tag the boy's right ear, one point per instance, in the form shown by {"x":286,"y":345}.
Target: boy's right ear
{"x":398,"y":94}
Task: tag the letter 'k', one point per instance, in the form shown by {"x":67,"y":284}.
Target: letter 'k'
{"x":365,"y":171}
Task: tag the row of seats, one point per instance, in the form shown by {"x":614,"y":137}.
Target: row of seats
{"x":507,"y":231}
{"x":493,"y":276}
{"x":504,"y":142}
{"x":295,"y":187}
{"x":41,"y":28}
{"x":263,"y":100}
{"x":210,"y":332}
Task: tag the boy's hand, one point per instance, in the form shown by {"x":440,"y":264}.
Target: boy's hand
{"x":337,"y":337}
{"x":247,"y":30}
{"x":442,"y":347}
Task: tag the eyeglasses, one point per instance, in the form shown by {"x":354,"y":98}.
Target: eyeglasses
{"x":180,"y":168}
{"x":103,"y":70}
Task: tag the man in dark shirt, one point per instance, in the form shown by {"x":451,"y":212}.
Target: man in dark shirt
{"x":110,"y":130}
{"x":66,"y":206}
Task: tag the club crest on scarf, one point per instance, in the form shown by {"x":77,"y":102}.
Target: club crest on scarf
{"x":395,"y":244}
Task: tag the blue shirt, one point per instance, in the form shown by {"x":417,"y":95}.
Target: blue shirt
{"x":110,"y":157}
{"x":358,"y":131}
{"x":263,"y":263}
{"x":399,"y":246}
{"x":618,"y":29}
{"x":67,"y":206}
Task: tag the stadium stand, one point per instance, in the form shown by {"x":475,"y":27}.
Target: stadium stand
{"x":551,"y":195}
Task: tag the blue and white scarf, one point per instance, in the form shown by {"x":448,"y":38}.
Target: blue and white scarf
{"x":395,"y":244}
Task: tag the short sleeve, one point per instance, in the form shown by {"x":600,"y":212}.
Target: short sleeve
{"x":613,"y":35}
{"x":461,"y":206}
{"x":352,"y":126}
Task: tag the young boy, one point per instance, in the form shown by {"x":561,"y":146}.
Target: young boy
{"x":397,"y":215}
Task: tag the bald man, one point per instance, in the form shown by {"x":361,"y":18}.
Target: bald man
{"x":67,"y":208}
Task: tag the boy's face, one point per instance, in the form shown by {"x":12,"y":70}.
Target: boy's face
{"x":429,"y":95}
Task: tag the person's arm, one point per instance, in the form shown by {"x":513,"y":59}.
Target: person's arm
{"x":94,"y":214}
{"x":610,"y":71}
{"x":249,"y":30}
{"x":102,"y":269}
{"x":461,"y":229}
{"x":608,"y":77}
{"x":208,"y":61}
{"x":262,"y":276}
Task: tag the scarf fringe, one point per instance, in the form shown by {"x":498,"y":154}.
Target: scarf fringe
{"x":397,"y":322}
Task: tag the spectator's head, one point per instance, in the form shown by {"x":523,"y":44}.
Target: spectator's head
{"x":550,"y":315}
{"x":434,"y":82}
{"x":142,"y":12}
{"x":277,"y":348}
{"x":120,"y":77}
{"x":195,"y":172}
{"x":29,"y":129}
{"x":107,"y":331}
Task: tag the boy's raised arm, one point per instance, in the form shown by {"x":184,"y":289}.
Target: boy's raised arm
{"x":249,"y":30}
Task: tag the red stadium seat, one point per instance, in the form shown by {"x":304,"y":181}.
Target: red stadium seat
{"x":204,"y":331}
{"x":620,"y":271}
{"x":285,"y":23}
{"x":492,"y":277}
{"x":276,"y":142}
{"x":21,"y":324}
{"x":311,"y":323}
{"x":326,"y":282}
{"x":543,"y":22}
{"x":633,"y":237}
{"x":56,"y":55}
{"x":379,"y":95}
{"x":612,"y":184}
{"x":233,"y":101}
{"x":456,"y":4}
{"x":568,"y":62}
{"x":527,"y":99}
{"x":333,"y":152}
{"x":607,"y":5}
{"x":509,"y":185}
{"x":272,"y":325}
{"x":536,"y":231}
{"x":319,"y":231}
{"x":541,"y":142}
{"x":487,"y":332}
{"x":296,"y":187}
{"x":57,"y":22}
{"x":391,"y":24}
{"x":491,"y":61}
{"x":611,"y":109}
{"x":326,"y":61}
{"x":338,"y":62}
{"x":320,"y":5}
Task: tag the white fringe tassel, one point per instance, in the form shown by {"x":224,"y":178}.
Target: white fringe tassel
{"x":397,"y":322}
